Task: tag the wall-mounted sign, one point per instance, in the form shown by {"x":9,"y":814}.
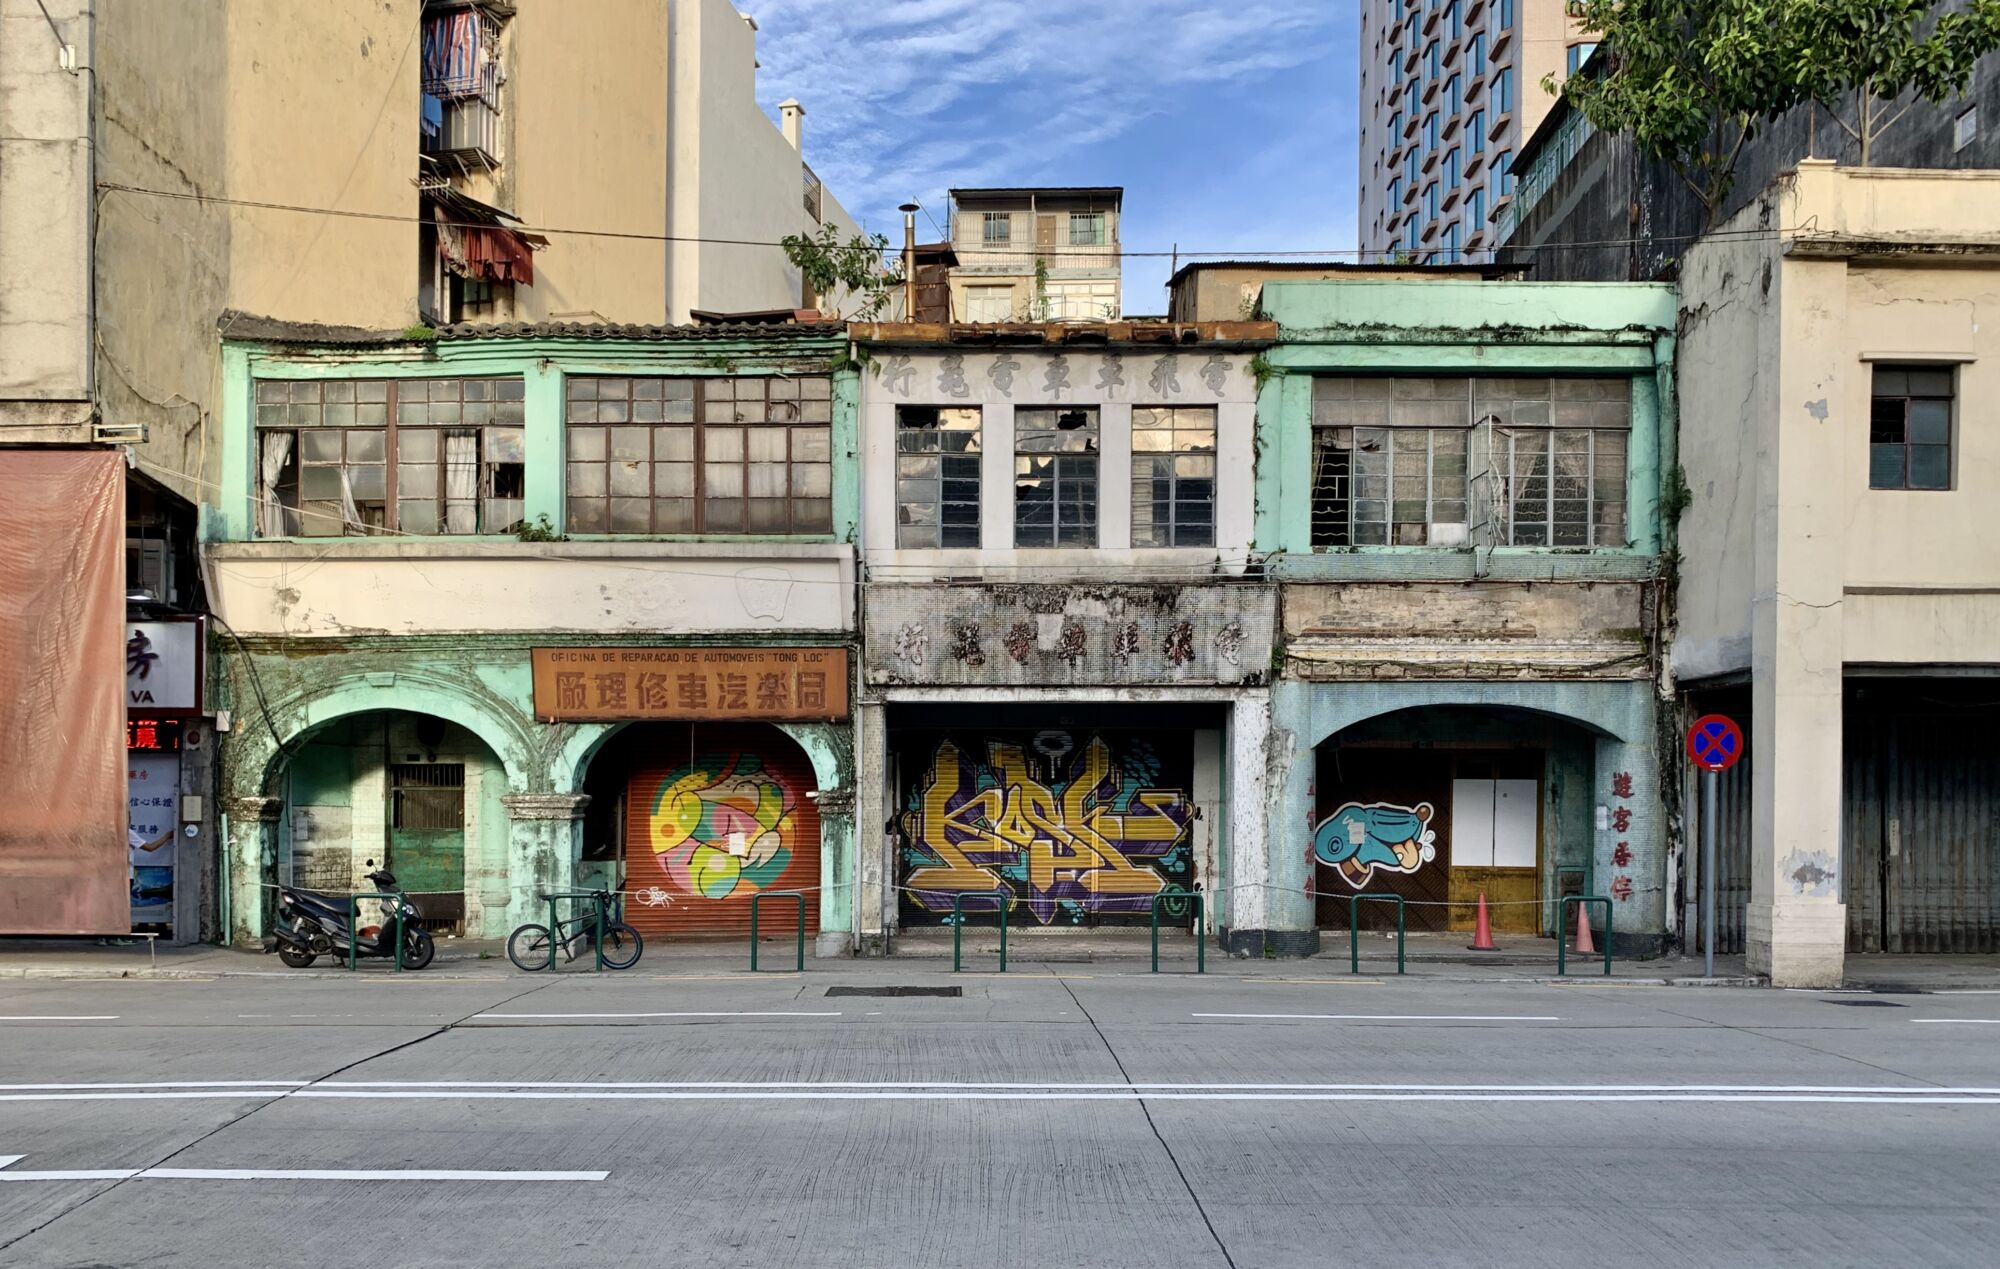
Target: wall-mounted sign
{"x":153,"y":735}
{"x":163,"y":666}
{"x":621,"y":684}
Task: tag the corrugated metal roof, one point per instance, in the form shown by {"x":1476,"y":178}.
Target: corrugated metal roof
{"x":1068,"y":191}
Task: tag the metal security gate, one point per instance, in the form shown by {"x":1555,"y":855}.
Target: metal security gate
{"x":716,"y":814}
{"x":1921,"y":847}
{"x":427,"y":839}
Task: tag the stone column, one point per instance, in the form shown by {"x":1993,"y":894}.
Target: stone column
{"x":837,"y":853}
{"x":874,"y":864}
{"x":544,"y":839}
{"x":253,"y":862}
{"x":1796,"y":925}
{"x":1270,"y":823}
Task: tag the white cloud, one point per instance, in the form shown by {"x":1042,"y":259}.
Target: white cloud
{"x":910,"y":97}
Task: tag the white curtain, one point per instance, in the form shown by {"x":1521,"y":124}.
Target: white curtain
{"x":461,"y":482}
{"x":272,"y":522}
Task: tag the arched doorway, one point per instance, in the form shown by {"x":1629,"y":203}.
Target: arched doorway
{"x":1441,"y":804}
{"x":690,"y":821}
{"x":416,"y":793}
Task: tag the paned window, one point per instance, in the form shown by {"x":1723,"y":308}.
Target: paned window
{"x":1503,"y":15}
{"x":346,"y":457}
{"x":996,"y":228}
{"x":937,"y":476}
{"x":1500,"y":176}
{"x":1055,"y":477}
{"x":1909,"y":428}
{"x":1448,"y":245}
{"x":1452,"y":461}
{"x":1173,"y":476}
{"x":1451,"y":95}
{"x":677,"y":455}
{"x":1577,"y":55}
{"x":1475,"y":131}
{"x":1475,"y":208}
{"x":989,"y":303}
{"x":1475,"y":54}
{"x":1086,"y":229}
{"x":1503,"y":91}
{"x":1451,"y":168}
{"x":1430,"y":132}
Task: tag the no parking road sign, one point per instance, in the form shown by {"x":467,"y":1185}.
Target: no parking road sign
{"x":1714,"y":742}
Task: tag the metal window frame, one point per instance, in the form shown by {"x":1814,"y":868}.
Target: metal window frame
{"x":1950,"y":399}
{"x":699,"y":425}
{"x":1174,"y":429}
{"x":1062,"y":473}
{"x":941,"y":454}
{"x":391,"y":428}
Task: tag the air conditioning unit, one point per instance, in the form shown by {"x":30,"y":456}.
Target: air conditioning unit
{"x":118,"y":433}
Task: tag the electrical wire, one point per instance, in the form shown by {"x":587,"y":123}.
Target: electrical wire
{"x":1356,"y":255}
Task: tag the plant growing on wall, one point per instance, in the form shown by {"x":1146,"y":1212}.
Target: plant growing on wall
{"x":1041,"y":289}
{"x":1693,"y":80}
{"x":855,"y":269}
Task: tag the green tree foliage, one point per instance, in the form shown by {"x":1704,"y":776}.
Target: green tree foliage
{"x":855,"y":267}
{"x":1692,"y":80}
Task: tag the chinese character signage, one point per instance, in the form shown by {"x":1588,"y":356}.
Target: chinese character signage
{"x":163,"y":667}
{"x":617,"y":684}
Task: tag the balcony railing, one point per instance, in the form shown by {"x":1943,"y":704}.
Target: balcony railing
{"x":815,"y":196}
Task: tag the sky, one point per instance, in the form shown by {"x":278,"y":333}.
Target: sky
{"x":1230,"y":123}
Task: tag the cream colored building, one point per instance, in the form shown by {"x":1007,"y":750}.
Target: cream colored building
{"x":1449,"y":90}
{"x":1840,"y":573}
{"x":294,"y":162}
{"x":1036,"y":255}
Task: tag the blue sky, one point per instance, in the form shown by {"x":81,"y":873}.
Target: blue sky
{"x":1230,"y":123}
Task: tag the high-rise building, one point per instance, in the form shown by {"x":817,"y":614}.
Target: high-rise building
{"x":1448,"y":90}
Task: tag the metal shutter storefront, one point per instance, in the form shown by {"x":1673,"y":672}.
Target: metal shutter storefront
{"x":717,"y":813}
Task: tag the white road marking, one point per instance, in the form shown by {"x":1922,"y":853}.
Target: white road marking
{"x":716,"y":1013}
{"x":1980,"y":1022}
{"x":1390,"y":1017}
{"x":469,"y":1090}
{"x":58,"y":1017}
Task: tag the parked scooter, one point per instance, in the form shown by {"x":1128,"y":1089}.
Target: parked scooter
{"x":311,"y":925}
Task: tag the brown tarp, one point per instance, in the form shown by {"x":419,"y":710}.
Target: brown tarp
{"x":62,"y":688}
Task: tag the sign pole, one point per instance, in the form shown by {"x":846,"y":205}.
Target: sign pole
{"x":1708,"y":868}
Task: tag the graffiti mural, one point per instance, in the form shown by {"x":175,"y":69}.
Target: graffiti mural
{"x":723,"y":827}
{"x":1064,"y":830}
{"x":1359,"y":838}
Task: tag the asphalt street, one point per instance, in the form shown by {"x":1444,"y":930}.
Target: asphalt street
{"x":1049,"y":1116}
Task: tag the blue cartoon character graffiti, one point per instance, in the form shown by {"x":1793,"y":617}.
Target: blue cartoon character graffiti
{"x":1359,"y":838}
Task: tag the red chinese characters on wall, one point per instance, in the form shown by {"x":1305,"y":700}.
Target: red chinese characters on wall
{"x":1621,"y":820}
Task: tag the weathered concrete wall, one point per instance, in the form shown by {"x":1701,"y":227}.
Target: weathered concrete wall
{"x":404,"y":586}
{"x":1469,"y":630}
{"x":999,"y":380}
{"x":45,"y":223}
{"x":990,"y":635}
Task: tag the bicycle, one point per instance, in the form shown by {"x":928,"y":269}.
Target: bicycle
{"x":529,"y":946}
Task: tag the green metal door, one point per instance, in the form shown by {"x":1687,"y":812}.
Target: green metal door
{"x":427,"y":838}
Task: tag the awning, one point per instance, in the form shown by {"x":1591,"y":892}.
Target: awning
{"x":476,"y":241}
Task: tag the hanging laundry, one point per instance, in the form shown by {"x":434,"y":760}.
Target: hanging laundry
{"x":461,"y":54}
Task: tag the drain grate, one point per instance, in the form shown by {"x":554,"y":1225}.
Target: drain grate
{"x":1867,"y":1004}
{"x":895,"y":991}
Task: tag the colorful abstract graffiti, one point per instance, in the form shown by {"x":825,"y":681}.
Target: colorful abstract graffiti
{"x":722,"y":828}
{"x":1360,"y":837}
{"x":1095,"y":832}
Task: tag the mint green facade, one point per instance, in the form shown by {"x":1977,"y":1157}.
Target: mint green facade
{"x":297,"y":698}
{"x":1532,"y":650}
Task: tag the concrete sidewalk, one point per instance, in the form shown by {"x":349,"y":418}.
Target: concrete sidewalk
{"x":1437,"y":958}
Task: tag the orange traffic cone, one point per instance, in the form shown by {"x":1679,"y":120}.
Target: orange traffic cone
{"x":1584,"y":947}
{"x":1482,"y":930}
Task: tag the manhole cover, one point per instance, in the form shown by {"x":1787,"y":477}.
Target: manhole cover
{"x":895,"y":991}
{"x":1867,"y":1004}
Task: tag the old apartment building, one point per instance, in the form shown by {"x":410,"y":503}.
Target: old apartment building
{"x":1839,"y":580}
{"x":1036,"y":255}
{"x":178,"y":176}
{"x":1449,"y":89}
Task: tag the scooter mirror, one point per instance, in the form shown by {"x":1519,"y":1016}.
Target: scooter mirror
{"x":368,"y":863}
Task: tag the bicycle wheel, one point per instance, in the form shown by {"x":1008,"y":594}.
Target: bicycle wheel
{"x":622,"y":946}
{"x":528,"y":947}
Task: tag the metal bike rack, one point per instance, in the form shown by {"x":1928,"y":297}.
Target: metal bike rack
{"x":1354,"y":928}
{"x":758,"y":898}
{"x":555,"y":929}
{"x":354,"y":927}
{"x":1001,"y":898}
{"x":1200,"y":927}
{"x":1562,"y":917}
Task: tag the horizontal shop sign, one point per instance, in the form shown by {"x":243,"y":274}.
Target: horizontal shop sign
{"x":620,"y":684}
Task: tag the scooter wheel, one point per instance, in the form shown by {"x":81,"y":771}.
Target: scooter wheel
{"x":295,"y":958}
{"x":418,"y":948}
{"x":528,"y":947}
